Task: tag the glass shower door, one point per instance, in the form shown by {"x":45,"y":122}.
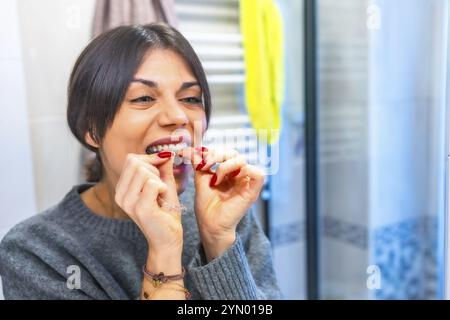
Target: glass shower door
{"x":381,"y":148}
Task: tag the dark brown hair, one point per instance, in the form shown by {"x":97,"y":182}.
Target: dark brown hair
{"x":103,"y":72}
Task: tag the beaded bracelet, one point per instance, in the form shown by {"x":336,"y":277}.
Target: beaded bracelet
{"x":186,"y":292}
{"x":158,"y":279}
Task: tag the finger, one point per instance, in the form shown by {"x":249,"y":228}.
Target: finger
{"x":133,"y":161}
{"x":255,"y":179}
{"x":156,"y":159}
{"x":223,"y":154}
{"x":130,"y":200}
{"x":219,"y":156}
{"x":142,"y":174}
{"x":193,"y":155}
{"x":148,"y":201}
{"x":211,"y":157}
{"x":229,"y":167}
{"x":196,"y":157}
{"x":125,"y":178}
{"x":149,"y":166}
{"x":208,"y":160}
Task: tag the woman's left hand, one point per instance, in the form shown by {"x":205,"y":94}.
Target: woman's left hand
{"x":222,"y":197}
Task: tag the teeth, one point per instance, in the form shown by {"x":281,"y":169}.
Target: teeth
{"x":166,"y":147}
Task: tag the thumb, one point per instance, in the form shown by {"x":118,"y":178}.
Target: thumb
{"x":201,"y":179}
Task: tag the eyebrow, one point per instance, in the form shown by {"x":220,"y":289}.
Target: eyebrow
{"x":153,"y":84}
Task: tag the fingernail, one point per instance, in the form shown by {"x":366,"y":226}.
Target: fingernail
{"x":200,"y":165}
{"x":165,"y":154}
{"x":202,"y":149}
{"x":213,"y":180}
{"x":235,"y":172}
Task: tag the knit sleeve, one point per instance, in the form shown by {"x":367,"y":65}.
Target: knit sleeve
{"x":26,"y":277}
{"x":243,"y":272}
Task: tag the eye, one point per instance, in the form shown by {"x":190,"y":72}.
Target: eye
{"x":143,"y":99}
{"x":192,"y":100}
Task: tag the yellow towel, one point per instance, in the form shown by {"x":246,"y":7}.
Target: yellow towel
{"x":262,"y":31}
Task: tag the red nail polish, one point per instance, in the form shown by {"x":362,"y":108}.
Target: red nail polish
{"x":235,"y":172}
{"x":165,"y":154}
{"x":213,"y":180}
{"x":202,"y":149}
{"x":200,"y":165}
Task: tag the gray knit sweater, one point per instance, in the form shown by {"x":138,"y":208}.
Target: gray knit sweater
{"x":41,"y":257}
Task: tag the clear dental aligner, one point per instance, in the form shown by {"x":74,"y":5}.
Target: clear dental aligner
{"x":166,"y":147}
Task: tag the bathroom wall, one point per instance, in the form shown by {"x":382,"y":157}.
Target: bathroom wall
{"x":17,"y":200}
{"x":39,"y":41}
{"x":53,"y":33}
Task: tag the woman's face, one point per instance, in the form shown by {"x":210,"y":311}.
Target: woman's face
{"x":163,"y":101}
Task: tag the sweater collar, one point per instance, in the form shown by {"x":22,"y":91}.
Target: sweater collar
{"x":76,"y":211}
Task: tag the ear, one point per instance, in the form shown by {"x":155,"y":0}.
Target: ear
{"x":90,"y":141}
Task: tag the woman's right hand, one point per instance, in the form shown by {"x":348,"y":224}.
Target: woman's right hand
{"x":143,"y":179}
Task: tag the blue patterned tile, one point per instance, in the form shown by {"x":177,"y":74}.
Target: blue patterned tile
{"x":406,"y":254}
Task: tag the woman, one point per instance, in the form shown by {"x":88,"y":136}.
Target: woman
{"x":139,"y":99}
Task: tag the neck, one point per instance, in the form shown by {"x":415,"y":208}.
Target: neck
{"x":104,"y":192}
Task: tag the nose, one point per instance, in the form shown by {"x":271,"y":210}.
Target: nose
{"x":172,"y":114}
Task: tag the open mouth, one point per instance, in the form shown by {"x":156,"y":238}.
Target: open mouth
{"x":166,"y":147}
